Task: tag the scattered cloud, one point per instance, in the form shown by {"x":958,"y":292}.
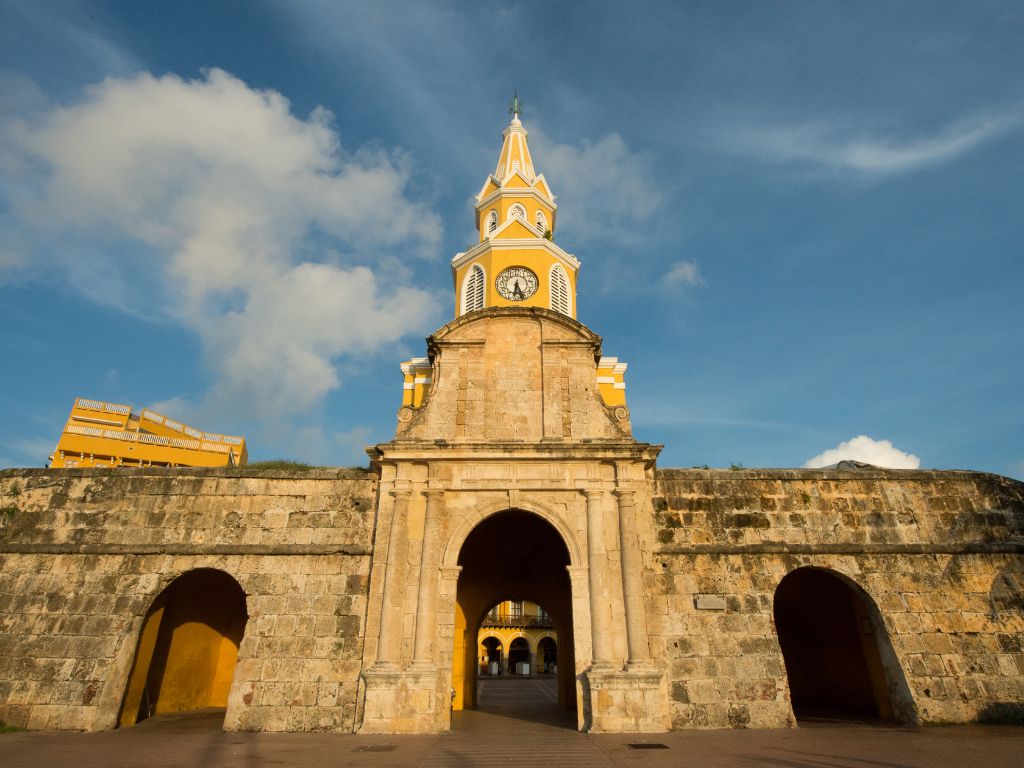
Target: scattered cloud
{"x":881,"y":453}
{"x":209,"y":203}
{"x":605,"y":190}
{"x":836,"y":147}
{"x":682,"y":273}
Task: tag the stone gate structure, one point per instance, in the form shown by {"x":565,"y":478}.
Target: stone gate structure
{"x":349,"y":600}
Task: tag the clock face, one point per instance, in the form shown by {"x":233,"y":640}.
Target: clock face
{"x":516,"y":284}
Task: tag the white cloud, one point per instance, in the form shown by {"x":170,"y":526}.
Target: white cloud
{"x":880,"y":453}
{"x":836,"y":147}
{"x":682,"y":273}
{"x":604,"y":189}
{"x":210,"y":203}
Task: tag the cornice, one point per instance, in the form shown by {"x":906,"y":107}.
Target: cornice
{"x":502,"y":191}
{"x":461,"y":259}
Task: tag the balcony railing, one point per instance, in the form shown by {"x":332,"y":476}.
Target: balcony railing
{"x":517,"y":621}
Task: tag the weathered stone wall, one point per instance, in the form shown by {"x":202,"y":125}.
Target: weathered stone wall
{"x":513,"y":373}
{"x":83,"y":554}
{"x":939,"y":554}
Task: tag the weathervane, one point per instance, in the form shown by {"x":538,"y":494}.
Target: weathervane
{"x":516,"y":106}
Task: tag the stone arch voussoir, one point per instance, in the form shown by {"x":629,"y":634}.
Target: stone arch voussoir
{"x":458,"y":536}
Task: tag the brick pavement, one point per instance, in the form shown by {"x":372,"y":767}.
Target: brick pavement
{"x":518,"y":725}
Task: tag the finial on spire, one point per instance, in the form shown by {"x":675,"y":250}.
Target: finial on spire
{"x":516,"y":106}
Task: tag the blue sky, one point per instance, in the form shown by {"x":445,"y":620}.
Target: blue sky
{"x":799,"y":223}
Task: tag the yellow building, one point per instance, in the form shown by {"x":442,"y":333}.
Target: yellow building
{"x":517,"y":637}
{"x":515,"y":262}
{"x":99,"y":434}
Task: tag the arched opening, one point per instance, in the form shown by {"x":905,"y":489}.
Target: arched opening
{"x":519,"y":657}
{"x":473,"y":290}
{"x":518,"y":560}
{"x":188,"y":647}
{"x":491,"y":661}
{"x":547,"y":656}
{"x":838,"y":658}
{"x":561,"y":298}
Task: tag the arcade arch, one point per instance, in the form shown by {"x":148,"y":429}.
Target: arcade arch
{"x":187,"y":648}
{"x":838,"y":658}
{"x":511,"y":555}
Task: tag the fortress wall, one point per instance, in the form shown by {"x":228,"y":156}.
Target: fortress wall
{"x":939,"y":554}
{"x":83,"y":554}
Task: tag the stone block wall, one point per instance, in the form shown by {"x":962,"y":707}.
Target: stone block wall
{"x":940,"y":554}
{"x":83,"y":554}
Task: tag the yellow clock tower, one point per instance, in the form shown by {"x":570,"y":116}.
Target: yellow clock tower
{"x":515,"y":262}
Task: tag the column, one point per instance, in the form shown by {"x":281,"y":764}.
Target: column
{"x":426,"y":620}
{"x":600,"y":613}
{"x":632,"y":587}
{"x":390,"y":612}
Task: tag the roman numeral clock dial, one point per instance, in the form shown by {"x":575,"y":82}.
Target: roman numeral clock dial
{"x":516,"y":284}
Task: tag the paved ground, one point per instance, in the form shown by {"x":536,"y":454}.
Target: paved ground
{"x":518,"y":724}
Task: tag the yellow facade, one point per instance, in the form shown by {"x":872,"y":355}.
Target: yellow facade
{"x":611,"y":380}
{"x":99,"y":434}
{"x":514,"y":633}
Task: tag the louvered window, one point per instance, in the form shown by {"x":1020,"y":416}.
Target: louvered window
{"x":560,"y":291}
{"x":492,"y":222}
{"x":542,"y":222}
{"x":473,"y":290}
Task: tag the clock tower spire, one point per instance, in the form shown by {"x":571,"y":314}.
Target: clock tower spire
{"x":515,"y":261}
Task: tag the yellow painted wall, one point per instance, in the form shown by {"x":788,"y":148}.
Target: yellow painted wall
{"x":495,"y":260}
{"x":188,"y":647}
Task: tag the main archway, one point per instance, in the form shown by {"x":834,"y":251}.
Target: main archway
{"x":833,"y":643}
{"x":188,"y":647}
{"x":519,"y":556}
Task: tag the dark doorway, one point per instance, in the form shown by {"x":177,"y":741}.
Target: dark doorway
{"x":491,"y":661}
{"x":518,"y":655}
{"x":547,"y":651}
{"x":829,"y":642}
{"x":516,"y":556}
{"x":188,"y":647}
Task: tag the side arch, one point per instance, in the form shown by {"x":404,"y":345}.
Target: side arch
{"x":458,"y":537}
{"x":835,"y":644}
{"x":187,"y":646}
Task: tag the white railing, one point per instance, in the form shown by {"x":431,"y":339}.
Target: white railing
{"x":177,"y":426}
{"x":156,"y":418}
{"x":124,"y":410}
{"x":92,"y":405}
{"x":142,"y":437}
{"x":74,"y":429}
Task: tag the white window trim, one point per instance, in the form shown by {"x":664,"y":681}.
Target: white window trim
{"x":512,"y":212}
{"x":492,"y":222}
